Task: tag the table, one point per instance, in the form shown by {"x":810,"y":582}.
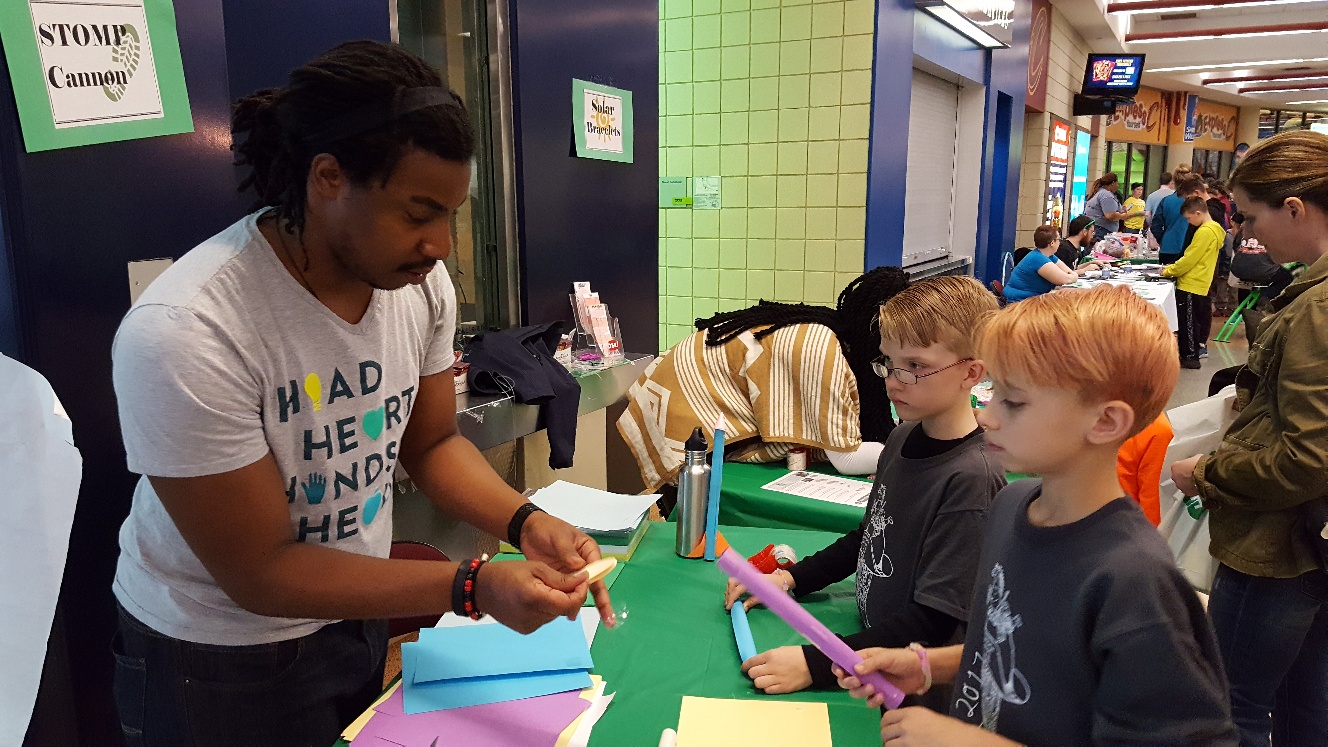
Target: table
{"x":1161,"y":295}
{"x":743,"y":502}
{"x":677,"y":639}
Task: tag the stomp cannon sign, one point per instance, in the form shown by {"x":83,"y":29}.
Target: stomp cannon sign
{"x":93,"y":72}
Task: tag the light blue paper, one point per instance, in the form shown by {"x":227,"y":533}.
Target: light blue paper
{"x":489,"y":650}
{"x":444,"y":694}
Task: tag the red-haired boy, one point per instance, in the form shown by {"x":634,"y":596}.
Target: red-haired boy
{"x":1082,"y":629}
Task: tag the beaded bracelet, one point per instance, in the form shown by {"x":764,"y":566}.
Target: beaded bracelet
{"x":918,"y":649}
{"x":469,"y":607}
{"x":459,"y":588}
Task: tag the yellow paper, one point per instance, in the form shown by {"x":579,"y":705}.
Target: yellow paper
{"x":356,"y":726}
{"x":718,"y":722}
{"x":587,"y":694}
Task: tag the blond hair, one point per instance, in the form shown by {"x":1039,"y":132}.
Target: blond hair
{"x":949,"y":309}
{"x":1293,"y":164}
{"x":1106,"y":344}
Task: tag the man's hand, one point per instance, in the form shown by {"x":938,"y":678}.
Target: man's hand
{"x":565,"y":548}
{"x":1182,"y":473}
{"x":900,"y":666}
{"x":779,"y":670}
{"x":921,"y":727}
{"x":525,"y":595}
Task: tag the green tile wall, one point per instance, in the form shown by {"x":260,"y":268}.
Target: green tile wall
{"x":774,"y":97}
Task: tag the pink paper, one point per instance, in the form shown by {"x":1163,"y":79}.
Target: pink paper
{"x":532,"y":722}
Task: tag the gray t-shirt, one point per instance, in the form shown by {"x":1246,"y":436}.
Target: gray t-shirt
{"x":1087,"y":634}
{"x":1102,"y":202}
{"x":226,"y":358}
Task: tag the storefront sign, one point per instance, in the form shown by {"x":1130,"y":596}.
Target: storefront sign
{"x":1058,"y":170}
{"x":602,"y":121}
{"x":1142,"y":121}
{"x":87,"y":72}
{"x":1191,"y":118}
{"x":1214,"y":126}
{"x":1083,"y":141}
{"x":1039,"y":54}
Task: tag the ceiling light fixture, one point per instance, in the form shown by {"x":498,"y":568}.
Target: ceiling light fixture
{"x":1281,"y":77}
{"x":1150,"y":37}
{"x":943,"y":11}
{"x":1173,"y":6}
{"x":1285,"y":88}
{"x":1306,"y":103}
{"x":1233,"y":65}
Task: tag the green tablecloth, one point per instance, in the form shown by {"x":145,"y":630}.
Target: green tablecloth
{"x":744,"y":503}
{"x":677,"y":640}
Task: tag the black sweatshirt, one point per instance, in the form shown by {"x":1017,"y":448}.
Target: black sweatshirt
{"x":1086,"y":633}
{"x":916,"y":551}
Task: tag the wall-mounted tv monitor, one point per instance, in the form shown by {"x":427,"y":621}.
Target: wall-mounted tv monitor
{"x":1113,"y":74}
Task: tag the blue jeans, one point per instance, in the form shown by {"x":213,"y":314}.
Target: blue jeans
{"x":298,"y":692}
{"x":1273,"y":634}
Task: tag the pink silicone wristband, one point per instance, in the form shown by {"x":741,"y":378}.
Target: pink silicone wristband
{"x":921,"y":651}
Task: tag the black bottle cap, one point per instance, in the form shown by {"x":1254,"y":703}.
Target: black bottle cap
{"x":697,"y":441}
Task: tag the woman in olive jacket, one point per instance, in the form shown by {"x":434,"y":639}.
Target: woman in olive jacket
{"x":1267,"y":483}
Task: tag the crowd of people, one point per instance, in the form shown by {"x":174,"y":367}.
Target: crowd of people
{"x":1192,"y":223}
{"x":248,"y":615}
{"x":1113,"y":645}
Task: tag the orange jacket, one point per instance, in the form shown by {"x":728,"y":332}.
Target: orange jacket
{"x":1139,"y":466}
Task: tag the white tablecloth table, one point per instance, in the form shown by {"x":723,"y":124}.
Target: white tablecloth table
{"x":1161,"y":295}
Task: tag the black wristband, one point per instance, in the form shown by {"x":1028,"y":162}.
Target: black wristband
{"x":518,"y":521}
{"x":458,"y":589}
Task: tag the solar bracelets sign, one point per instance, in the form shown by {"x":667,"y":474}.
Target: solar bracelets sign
{"x":89,"y":72}
{"x":602,"y":121}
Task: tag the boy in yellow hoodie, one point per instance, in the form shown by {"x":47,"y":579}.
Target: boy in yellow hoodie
{"x":1194,"y":274}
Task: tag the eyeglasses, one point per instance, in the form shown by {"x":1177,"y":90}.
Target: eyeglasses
{"x":904,"y":376}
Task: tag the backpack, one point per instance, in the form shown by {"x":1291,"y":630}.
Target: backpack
{"x":1251,"y":263}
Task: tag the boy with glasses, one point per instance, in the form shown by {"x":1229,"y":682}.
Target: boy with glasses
{"x":916,"y":551}
{"x":1082,"y":631}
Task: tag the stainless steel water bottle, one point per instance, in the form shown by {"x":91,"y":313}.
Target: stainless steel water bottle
{"x":693,"y":493}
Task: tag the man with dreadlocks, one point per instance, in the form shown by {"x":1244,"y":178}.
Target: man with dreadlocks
{"x":269,"y":383}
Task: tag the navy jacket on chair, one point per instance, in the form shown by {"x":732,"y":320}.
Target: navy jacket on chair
{"x":520,"y":362}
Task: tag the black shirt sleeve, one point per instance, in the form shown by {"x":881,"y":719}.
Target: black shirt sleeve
{"x":839,"y":560}
{"x":1150,"y":625}
{"x":829,"y":566}
{"x":914,"y":622}
{"x":1068,"y":253}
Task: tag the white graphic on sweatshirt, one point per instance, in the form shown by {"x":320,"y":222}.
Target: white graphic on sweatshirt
{"x":1001,"y":681}
{"x":873,"y":562}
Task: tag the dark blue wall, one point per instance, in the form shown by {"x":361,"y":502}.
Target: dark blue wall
{"x":73,"y":219}
{"x":265,"y":40}
{"x":583,"y":219}
{"x":902,"y":32}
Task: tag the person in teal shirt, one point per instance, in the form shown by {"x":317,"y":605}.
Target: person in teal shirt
{"x":1170,"y":227}
{"x":1041,"y":271}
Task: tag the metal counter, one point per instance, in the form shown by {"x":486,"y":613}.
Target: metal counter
{"x":490,"y":420}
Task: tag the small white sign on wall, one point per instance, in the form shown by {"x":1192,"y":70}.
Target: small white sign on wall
{"x":96,"y":61}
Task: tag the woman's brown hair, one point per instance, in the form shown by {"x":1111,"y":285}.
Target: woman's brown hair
{"x":1293,"y":164}
{"x":1102,"y":181}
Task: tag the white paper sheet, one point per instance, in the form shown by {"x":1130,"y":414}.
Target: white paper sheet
{"x":581,"y":737}
{"x":593,"y":509}
{"x":827,"y":488}
{"x":42,"y":473}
